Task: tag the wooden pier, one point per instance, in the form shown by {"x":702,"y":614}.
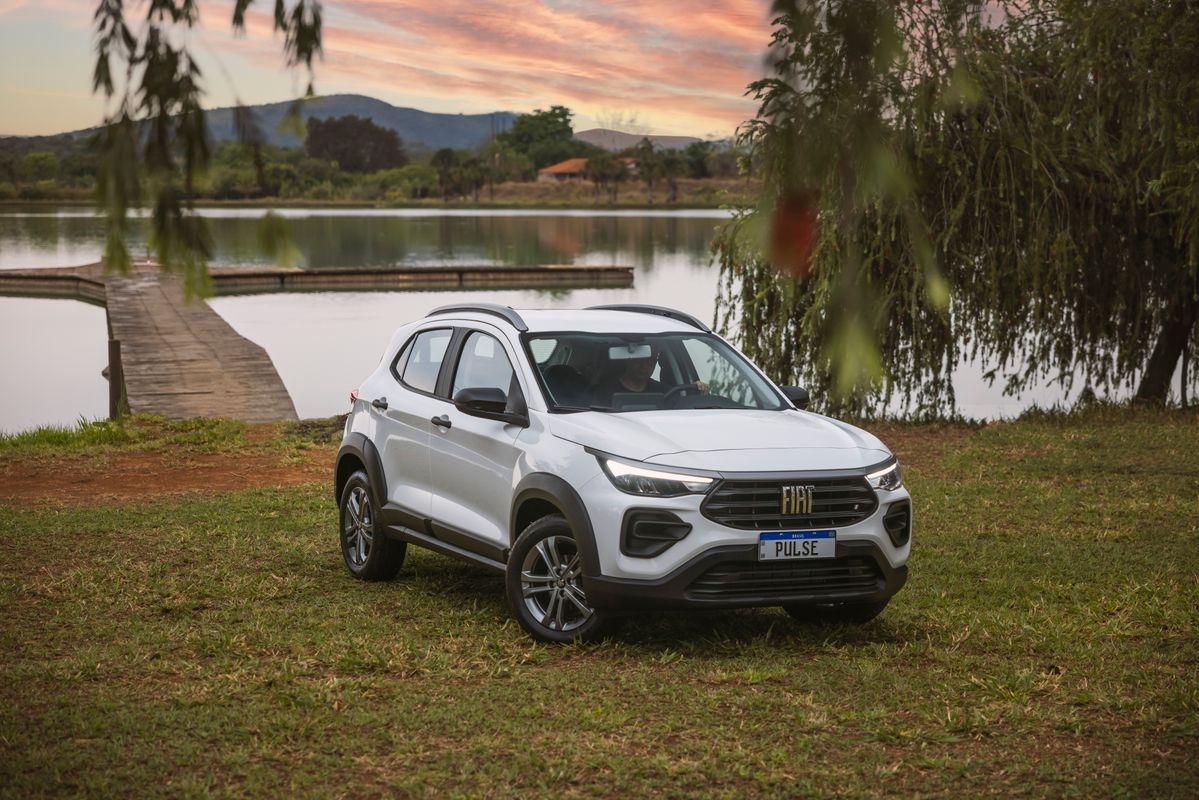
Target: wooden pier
{"x":180,"y":359}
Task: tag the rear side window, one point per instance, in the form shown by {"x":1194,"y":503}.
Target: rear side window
{"x":421,"y":361}
{"x":483,"y":364}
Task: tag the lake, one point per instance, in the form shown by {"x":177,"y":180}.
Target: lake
{"x":324,"y":343}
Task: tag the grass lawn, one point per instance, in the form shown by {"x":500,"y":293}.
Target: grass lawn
{"x":178,"y":644}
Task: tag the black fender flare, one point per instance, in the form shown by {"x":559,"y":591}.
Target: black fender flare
{"x":551,"y":488}
{"x":362,"y":448}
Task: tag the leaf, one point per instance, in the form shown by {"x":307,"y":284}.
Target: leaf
{"x":275,"y":241}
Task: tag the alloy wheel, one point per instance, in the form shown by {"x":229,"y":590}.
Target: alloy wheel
{"x":550,"y":586}
{"x":358,"y":526}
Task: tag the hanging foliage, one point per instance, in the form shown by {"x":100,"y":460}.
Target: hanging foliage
{"x":1035,"y":166}
{"x":156,"y":138}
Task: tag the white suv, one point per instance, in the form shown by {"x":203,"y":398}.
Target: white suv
{"x":613,"y":460}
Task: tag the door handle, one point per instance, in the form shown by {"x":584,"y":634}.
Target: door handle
{"x":442,"y":422}
{"x":380,"y":403}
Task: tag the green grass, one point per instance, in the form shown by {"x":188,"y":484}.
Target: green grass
{"x":1045,"y":646}
{"x":139,"y":432}
{"x":142,"y":432}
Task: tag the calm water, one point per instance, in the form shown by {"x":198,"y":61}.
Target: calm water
{"x":52,"y":351}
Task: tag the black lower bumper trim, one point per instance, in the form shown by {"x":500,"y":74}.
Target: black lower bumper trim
{"x":732,"y":577}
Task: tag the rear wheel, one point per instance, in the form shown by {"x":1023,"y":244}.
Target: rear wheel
{"x":368,"y":552}
{"x":544,"y":586}
{"x":838,"y":614}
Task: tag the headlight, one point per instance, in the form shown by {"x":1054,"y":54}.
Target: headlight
{"x":642,"y":480}
{"x":887,"y":479}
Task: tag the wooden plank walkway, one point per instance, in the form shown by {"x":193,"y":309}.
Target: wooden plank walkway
{"x":182,"y":360}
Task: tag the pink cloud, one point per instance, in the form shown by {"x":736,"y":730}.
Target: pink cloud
{"x":679,"y":66}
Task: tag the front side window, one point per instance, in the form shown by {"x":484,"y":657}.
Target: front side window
{"x":645,"y":372}
{"x":483,"y":365}
{"x":422,"y":359}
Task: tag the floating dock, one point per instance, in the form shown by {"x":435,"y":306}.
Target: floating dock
{"x":181,"y":359}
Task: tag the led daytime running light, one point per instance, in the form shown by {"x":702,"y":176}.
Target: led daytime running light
{"x":888,"y":478}
{"x":618,"y":470}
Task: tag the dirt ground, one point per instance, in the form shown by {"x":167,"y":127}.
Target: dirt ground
{"x":121,"y":476}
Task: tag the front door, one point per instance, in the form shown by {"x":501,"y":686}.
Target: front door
{"x":472,"y":462}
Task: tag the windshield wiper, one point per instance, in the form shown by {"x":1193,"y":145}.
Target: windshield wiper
{"x":583,"y":408}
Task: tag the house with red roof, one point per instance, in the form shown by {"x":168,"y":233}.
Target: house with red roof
{"x":570,"y":169}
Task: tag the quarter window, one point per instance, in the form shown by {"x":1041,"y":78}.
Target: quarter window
{"x":423,"y":363}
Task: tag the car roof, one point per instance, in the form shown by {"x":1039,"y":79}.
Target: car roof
{"x":601,"y":321}
{"x":582,"y":321}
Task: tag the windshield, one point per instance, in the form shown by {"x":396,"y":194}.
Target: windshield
{"x":645,"y":372}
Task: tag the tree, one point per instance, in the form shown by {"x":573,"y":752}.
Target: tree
{"x":39,"y":166}
{"x":671,"y":165}
{"x":356,"y":143}
{"x":445,"y":161}
{"x":1053,"y":153}
{"x":648,"y":167}
{"x":545,"y":137}
{"x":598,"y":170}
{"x":503,"y":163}
{"x":696,"y":157}
{"x":472,"y":175}
{"x":157,"y":133}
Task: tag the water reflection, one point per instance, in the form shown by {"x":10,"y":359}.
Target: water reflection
{"x":398,"y":237}
{"x":324,"y":344}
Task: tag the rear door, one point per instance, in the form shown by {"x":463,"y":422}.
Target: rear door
{"x":405,"y":423}
{"x":473,"y":461}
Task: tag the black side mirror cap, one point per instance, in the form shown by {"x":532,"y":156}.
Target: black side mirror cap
{"x":797,"y":395}
{"x":489,"y":402}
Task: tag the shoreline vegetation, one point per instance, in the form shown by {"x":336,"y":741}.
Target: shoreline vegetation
{"x":703,"y":193}
{"x":352,"y":161}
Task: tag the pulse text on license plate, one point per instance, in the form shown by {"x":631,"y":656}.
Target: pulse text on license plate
{"x":797,"y":544}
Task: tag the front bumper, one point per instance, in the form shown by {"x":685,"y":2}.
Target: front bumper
{"x":730,"y":576}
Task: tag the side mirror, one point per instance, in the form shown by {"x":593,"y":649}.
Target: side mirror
{"x":489,"y":402}
{"x":797,"y":395}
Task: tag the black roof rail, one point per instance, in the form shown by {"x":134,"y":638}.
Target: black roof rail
{"x":658,"y":311}
{"x":494,"y":309}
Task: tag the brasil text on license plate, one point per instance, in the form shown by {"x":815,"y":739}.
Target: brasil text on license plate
{"x":797,"y":544}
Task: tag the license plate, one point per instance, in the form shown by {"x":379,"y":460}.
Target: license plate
{"x":797,"y":544}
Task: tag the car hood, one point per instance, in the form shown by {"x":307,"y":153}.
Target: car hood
{"x":724,"y":440}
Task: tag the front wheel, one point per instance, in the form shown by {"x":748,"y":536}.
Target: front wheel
{"x":839,"y":614}
{"x":543,"y":584}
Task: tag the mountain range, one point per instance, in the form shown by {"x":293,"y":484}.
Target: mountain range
{"x":424,"y":130}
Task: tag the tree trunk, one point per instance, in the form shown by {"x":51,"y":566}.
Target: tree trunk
{"x":1180,"y":322}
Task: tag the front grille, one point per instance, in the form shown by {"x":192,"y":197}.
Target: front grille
{"x":825,"y":578}
{"x":757,"y":505}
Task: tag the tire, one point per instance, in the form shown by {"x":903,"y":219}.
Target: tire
{"x":369,"y":553}
{"x":840,"y":614}
{"x":543,"y":587}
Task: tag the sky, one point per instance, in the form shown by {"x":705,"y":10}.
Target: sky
{"x":668,"y":66}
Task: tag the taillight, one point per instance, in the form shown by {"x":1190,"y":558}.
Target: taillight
{"x":353,"y":398}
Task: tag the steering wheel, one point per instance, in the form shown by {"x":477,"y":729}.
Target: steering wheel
{"x":679,"y":390}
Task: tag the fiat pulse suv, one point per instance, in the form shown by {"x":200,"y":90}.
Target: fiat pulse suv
{"x":614,"y":460}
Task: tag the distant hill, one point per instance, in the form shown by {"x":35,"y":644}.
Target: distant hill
{"x":619,"y":140}
{"x":420,"y":128}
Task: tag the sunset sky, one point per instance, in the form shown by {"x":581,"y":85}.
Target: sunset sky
{"x":678,"y":66}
